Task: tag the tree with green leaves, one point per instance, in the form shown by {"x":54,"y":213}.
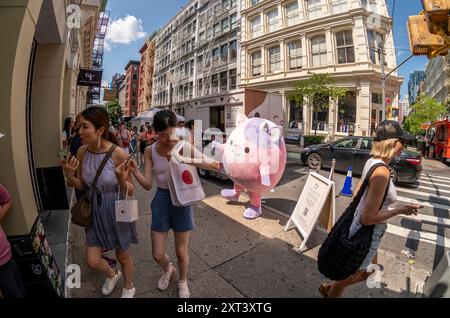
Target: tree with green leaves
{"x":316,"y":92}
{"x":115,"y":112}
{"x":424,"y":110}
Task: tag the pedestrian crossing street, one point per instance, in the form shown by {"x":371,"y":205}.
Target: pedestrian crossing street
{"x":432,"y":224}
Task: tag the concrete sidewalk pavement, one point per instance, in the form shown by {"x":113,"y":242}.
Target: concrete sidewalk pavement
{"x":232,"y":257}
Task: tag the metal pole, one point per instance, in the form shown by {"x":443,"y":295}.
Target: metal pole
{"x":333,"y":166}
{"x":383,"y":85}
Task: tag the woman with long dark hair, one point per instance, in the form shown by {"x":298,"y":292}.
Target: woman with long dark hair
{"x":166,"y":216}
{"x":104,"y":232}
{"x":69,"y":122}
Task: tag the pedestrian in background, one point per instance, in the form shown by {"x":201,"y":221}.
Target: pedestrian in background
{"x":123,"y":137}
{"x":134,"y":137}
{"x":11,"y":285}
{"x":190,"y":126}
{"x":75,"y":140}
{"x":388,"y":144}
{"x":69,"y":122}
{"x":104,"y":233}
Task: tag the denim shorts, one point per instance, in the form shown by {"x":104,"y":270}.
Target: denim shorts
{"x":378,"y":233}
{"x":166,"y":216}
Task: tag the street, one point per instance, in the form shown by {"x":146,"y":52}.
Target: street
{"x":231,"y":257}
{"x":422,"y":238}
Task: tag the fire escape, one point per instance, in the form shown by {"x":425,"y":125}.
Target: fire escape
{"x":98,"y":52}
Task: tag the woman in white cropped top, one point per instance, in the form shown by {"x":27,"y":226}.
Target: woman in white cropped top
{"x":388,"y":144}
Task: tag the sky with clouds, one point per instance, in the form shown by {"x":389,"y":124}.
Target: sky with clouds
{"x":133,"y":20}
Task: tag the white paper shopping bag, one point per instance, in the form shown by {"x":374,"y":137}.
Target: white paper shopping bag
{"x":126,"y":210}
{"x":184,"y":184}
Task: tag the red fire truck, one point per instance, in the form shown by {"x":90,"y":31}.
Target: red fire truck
{"x":442,"y":140}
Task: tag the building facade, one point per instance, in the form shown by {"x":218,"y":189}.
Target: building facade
{"x":437,"y":78}
{"x":196,"y":60}
{"x":116,"y":81}
{"x":41,"y":57}
{"x":286,"y":41}
{"x":415,"y":85}
{"x":404,"y":109}
{"x":130,"y":109}
{"x":146,"y":74}
{"x":122,"y":93}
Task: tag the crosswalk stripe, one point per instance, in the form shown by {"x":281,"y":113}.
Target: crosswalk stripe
{"x":437,"y":181}
{"x":438,"y":185}
{"x":428,"y":219}
{"x":427,"y":204}
{"x":427,"y":195}
{"x":425,"y":237}
{"x":436,"y":177}
{"x":427,"y":188}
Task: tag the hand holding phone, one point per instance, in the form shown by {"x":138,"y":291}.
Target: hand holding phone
{"x":63,"y":155}
{"x":128,"y":160}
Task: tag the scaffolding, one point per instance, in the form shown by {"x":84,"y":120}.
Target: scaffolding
{"x":98,"y":52}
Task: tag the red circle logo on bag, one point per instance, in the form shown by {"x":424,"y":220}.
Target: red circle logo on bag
{"x":187,"y":177}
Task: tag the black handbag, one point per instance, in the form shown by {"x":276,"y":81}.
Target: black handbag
{"x":341,"y":256}
{"x":82,"y":209}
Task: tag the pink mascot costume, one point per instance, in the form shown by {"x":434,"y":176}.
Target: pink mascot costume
{"x":254,"y":158}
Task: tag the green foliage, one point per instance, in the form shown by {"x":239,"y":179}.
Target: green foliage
{"x":426,"y":109}
{"x":115,"y":112}
{"x":313,"y":140}
{"x":316,"y":93}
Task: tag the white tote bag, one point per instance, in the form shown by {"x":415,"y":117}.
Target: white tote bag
{"x":184,"y":184}
{"x":126,"y":210}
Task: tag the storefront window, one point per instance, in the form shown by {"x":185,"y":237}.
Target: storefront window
{"x":347,"y":113}
{"x":320,"y":118}
{"x":295,"y":116}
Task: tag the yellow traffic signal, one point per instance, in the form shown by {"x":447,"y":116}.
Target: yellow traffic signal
{"x":436,"y":11}
{"x":421,"y":40}
{"x":428,"y":32}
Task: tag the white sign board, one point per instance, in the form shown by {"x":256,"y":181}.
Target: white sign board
{"x":316,"y":201}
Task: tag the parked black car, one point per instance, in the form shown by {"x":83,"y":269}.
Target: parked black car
{"x":354,"y":152}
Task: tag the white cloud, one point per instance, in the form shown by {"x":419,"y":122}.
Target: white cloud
{"x":124,"y":31}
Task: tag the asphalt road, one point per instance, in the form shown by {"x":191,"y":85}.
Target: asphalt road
{"x":422,"y":239}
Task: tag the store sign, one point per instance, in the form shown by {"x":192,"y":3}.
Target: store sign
{"x":90,"y":78}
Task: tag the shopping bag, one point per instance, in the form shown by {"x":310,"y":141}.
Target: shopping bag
{"x":184,"y":184}
{"x":126,"y":210}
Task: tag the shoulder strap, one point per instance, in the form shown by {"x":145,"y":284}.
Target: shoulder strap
{"x":103,"y":164}
{"x":367,"y":180}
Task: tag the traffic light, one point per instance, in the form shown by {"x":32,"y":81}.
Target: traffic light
{"x":428,"y":32}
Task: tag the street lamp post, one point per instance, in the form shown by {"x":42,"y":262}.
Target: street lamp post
{"x":383,"y":85}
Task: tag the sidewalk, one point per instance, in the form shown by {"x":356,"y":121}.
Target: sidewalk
{"x":234,"y":257}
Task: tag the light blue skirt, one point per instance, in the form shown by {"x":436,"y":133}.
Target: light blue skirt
{"x":105,"y":232}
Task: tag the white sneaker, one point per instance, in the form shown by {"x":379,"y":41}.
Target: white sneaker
{"x":110,"y":284}
{"x":230,"y":194}
{"x":252,"y":213}
{"x":183,"y":289}
{"x":128,"y":293}
{"x":164,"y":280}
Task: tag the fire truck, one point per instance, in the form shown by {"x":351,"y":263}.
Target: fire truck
{"x":442,"y":140}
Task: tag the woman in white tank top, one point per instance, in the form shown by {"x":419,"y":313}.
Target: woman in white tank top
{"x":166,"y":216}
{"x":388,"y":144}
